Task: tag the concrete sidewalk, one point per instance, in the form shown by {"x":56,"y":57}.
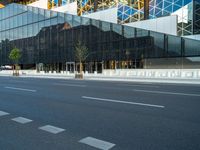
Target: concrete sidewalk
{"x":101,"y":77}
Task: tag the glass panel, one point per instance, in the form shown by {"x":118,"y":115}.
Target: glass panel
{"x":47,"y":23}
{"x":35,"y":14}
{"x":41,"y":14}
{"x":141,"y":32}
{"x":54,"y":21}
{"x":10,"y":35}
{"x":158,"y":42}
{"x":41,"y":25}
{"x":68,"y":19}
{"x":15,"y":24}
{"x":19,"y":19}
{"x":105,"y":26}
{"x":24,"y":18}
{"x":7,"y":35}
{"x":6,"y":24}
{"x":20,"y":36}
{"x":174,"y":46}
{"x":29,"y":29}
{"x":47,"y":14}
{"x":61,"y":17}
{"x":35,"y":29}
{"x":117,"y":28}
{"x":15,"y":34}
{"x":53,"y":14}
{"x":76,"y":21}
{"x":85,"y":21}
{"x":29,"y":15}
{"x":129,"y":32}
{"x":192,"y":47}
{"x":95,"y":23}
{"x":24,"y":31}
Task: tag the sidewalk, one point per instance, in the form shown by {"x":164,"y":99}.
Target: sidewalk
{"x":101,"y":77}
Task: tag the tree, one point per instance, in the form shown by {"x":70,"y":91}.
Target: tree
{"x":15,"y":55}
{"x":81,"y":53}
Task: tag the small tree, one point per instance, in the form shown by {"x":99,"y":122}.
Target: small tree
{"x":81,"y":53}
{"x":15,"y":55}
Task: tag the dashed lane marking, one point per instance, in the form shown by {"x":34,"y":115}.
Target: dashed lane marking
{"x":51,"y":129}
{"x":122,"y":102}
{"x":3,"y":113}
{"x":71,"y":85}
{"x":20,"y":89}
{"x":103,"y":145}
{"x":22,"y":120}
{"x":168,"y":93}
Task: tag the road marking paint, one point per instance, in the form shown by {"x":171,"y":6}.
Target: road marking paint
{"x":51,"y":129}
{"x":3,"y":113}
{"x":123,"y":102}
{"x":20,"y":89}
{"x":103,"y":145}
{"x":72,"y":82}
{"x":18,"y":81}
{"x":22,"y":120}
{"x":170,"y":93}
{"x":73,"y":85}
{"x":139,"y":85}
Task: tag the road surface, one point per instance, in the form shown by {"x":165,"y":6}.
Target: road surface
{"x":64,"y":114}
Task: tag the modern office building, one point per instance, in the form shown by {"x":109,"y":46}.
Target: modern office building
{"x":47,"y":39}
{"x":133,"y":12}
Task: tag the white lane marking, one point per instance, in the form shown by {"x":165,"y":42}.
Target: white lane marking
{"x":20,"y":89}
{"x":72,"y":82}
{"x":3,"y":113}
{"x":21,"y":120}
{"x":73,"y":85}
{"x":51,"y":129}
{"x":139,"y":85}
{"x":18,"y":81}
{"x":123,"y":102}
{"x":170,"y":93}
{"x":103,"y":145}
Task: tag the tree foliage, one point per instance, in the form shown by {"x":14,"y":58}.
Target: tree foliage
{"x":81,"y":51}
{"x":15,"y":55}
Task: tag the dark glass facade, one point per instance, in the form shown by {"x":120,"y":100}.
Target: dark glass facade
{"x":47,"y":37}
{"x":186,"y":10}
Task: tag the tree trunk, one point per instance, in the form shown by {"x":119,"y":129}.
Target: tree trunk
{"x":80,"y":69}
{"x":13,"y":67}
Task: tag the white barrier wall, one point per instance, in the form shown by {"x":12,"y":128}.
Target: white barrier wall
{"x":166,"y":25}
{"x":125,"y":73}
{"x":154,"y":73}
{"x":40,"y":4}
{"x":70,"y":8}
{"x":109,"y":15}
{"x":195,"y":37}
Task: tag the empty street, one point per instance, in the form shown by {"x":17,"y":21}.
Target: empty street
{"x":59,"y":114}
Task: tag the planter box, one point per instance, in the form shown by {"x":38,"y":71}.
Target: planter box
{"x":79,"y":76}
{"x":16,"y":74}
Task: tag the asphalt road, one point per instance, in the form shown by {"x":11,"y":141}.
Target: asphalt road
{"x":66,"y":114}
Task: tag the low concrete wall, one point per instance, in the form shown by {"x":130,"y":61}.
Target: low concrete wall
{"x":125,"y":73}
{"x":154,"y":73}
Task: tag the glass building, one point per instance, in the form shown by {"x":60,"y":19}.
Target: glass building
{"x":188,"y":12}
{"x":47,"y":39}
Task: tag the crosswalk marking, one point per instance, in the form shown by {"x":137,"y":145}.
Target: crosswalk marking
{"x":103,"y":145}
{"x":3,"y":113}
{"x":51,"y":129}
{"x":21,"y":120}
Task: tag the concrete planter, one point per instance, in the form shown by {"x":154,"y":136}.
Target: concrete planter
{"x":79,"y":76}
{"x":16,"y":74}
